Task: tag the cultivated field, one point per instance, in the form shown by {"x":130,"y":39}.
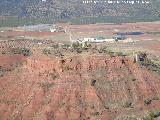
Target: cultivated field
{"x":149,"y":41}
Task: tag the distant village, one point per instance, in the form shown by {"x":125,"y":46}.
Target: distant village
{"x":115,"y":1}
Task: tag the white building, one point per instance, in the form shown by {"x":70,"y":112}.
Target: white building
{"x":97,"y":40}
{"x":89,"y":39}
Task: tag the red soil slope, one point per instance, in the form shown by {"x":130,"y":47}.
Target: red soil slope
{"x":77,"y":88}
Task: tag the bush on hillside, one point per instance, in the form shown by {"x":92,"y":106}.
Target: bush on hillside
{"x":22,"y":51}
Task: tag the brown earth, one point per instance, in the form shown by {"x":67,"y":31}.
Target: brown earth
{"x":80,"y":87}
{"x":29,"y":33}
{"x":145,"y":42}
{"x":112,"y":28}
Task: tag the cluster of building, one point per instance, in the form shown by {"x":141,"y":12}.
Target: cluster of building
{"x":56,"y":28}
{"x":102,"y":39}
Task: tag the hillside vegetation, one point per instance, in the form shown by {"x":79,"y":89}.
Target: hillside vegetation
{"x":77,"y":12}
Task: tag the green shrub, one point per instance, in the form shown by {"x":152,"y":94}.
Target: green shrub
{"x":155,"y":114}
{"x":93,"y":82}
{"x":111,"y":53}
{"x":119,"y":53}
{"x":147,"y":101}
{"x":152,"y":115}
{"x":3,"y":52}
{"x":150,"y":64}
{"x":25,"y":52}
{"x":76,"y":45}
{"x":127,"y":104}
{"x":142,"y":54}
{"x":54,"y":75}
{"x":148,"y":118}
{"x":56,"y":46}
{"x":95,"y":113}
{"x":1,"y":73}
{"x":79,"y":50}
{"x":46,"y":86}
{"x":46,"y":51}
{"x":22,"y":51}
{"x":86,"y":46}
{"x":65,"y":46}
